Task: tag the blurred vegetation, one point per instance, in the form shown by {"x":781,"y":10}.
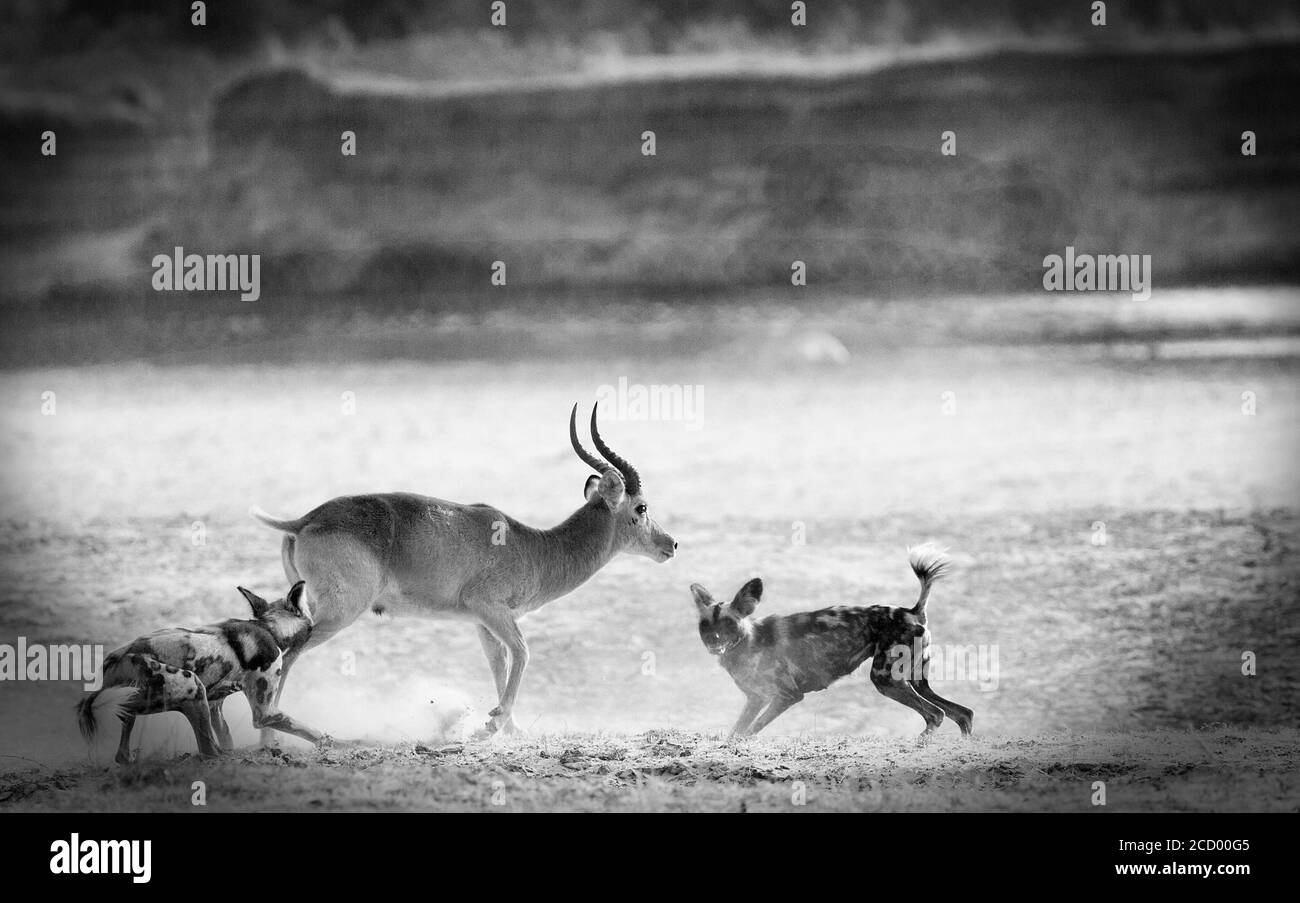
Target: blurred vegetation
{"x":656,"y":26}
{"x":226,"y":139}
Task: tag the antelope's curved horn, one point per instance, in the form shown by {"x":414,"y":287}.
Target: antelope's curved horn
{"x":631,"y":479}
{"x":587,"y":457}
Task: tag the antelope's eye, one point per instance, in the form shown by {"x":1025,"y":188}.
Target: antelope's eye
{"x":640,"y":510}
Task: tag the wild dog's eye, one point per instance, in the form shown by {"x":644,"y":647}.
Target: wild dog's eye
{"x":640,"y":509}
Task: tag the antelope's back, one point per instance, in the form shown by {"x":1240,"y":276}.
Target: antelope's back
{"x":429,"y":547}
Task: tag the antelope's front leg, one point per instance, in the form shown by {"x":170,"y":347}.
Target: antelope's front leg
{"x":499,"y":622}
{"x":498,"y":658}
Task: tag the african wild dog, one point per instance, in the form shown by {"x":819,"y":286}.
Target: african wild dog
{"x":777,"y":660}
{"x":194,"y":670}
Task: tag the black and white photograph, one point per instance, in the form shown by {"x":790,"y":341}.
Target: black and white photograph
{"x":857,"y":407}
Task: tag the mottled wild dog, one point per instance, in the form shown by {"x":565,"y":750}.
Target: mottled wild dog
{"x":777,"y":660}
{"x":402,"y":553}
{"x":193,"y":670}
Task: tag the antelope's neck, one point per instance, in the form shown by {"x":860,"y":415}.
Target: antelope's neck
{"x":567,"y":555}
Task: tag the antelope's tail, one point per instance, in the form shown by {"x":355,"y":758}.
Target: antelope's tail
{"x":288,"y":526}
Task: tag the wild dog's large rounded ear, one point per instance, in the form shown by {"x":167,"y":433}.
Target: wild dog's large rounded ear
{"x":589,"y":488}
{"x":609,"y":486}
{"x":748,"y":598}
{"x":297,"y":598}
{"x":259,"y":605}
{"x":703,"y":601}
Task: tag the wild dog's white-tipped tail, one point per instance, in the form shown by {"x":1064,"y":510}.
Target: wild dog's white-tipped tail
{"x":288,"y":526}
{"x":929,"y":563}
{"x":92,"y":709}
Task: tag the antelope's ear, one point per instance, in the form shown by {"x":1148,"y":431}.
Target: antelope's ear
{"x":259,"y":605}
{"x":589,"y":488}
{"x":748,"y":598}
{"x":703,"y":600}
{"x":609,"y":486}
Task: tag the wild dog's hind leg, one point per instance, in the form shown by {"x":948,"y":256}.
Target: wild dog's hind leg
{"x":901,"y":690}
{"x":920,"y":681}
{"x":964,"y":717}
{"x":166,"y":688}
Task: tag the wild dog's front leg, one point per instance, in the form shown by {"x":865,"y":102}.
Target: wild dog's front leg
{"x":219,"y":725}
{"x":499,"y":621}
{"x":774,"y":709}
{"x":260,"y":688}
{"x":267,"y":736}
{"x":753,"y":704}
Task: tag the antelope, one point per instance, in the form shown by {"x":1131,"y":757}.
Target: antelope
{"x":409,"y":554}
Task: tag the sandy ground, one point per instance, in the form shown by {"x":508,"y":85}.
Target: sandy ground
{"x":1167,"y":771}
{"x":125,"y":512}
